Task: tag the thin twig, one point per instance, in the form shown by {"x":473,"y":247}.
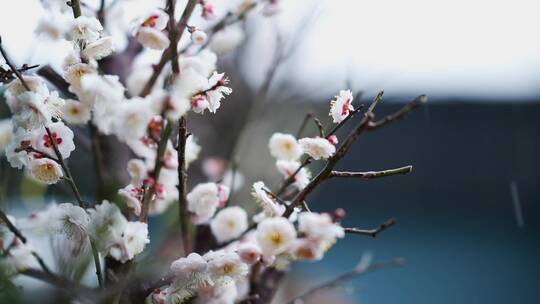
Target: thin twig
{"x":418,"y":101}
{"x":347,"y":276}
{"x":168,"y":53}
{"x":303,"y":124}
{"x":162,"y":147}
{"x":76,"y":7}
{"x":372,"y":174}
{"x":372,"y":232}
{"x":12,"y":227}
{"x":364,"y":125}
{"x":12,"y":66}
{"x":182,"y":185}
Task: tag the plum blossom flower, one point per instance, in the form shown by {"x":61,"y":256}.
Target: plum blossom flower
{"x":61,"y":136}
{"x":133,"y":196}
{"x":319,"y":226}
{"x":114,"y":235}
{"x":249,"y":252}
{"x":306,"y":249}
{"x":152,"y":38}
{"x":106,"y":223}
{"x":44,"y":170}
{"x":288,"y":168}
{"x":16,"y":156}
{"x":204,"y":200}
{"x":198,"y":37}
{"x":75,"y":112}
{"x":341,"y":106}
{"x":133,"y":118}
{"x":284,"y":146}
{"x":317,"y":148}
{"x":271,"y":207}
{"x":131,"y":242}
{"x":226,"y":266}
{"x":73,"y":74}
{"x":229,"y":224}
{"x":275,"y":235}
{"x":99,"y":49}
{"x":86,"y":29}
{"x":217,"y":83}
{"x":193,"y":268}
{"x":70,"y":220}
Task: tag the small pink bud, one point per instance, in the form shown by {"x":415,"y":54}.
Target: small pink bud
{"x":333,"y":139}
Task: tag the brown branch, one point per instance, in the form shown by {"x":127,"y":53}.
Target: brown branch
{"x":364,"y":125}
{"x":162,"y":147}
{"x":418,"y":101}
{"x":13,"y":68}
{"x":173,"y":34}
{"x":347,"y":276}
{"x":12,"y":227}
{"x":372,"y":232}
{"x":169,"y":52}
{"x":372,"y":174}
{"x":76,"y":7}
{"x":304,"y":124}
{"x":182,"y":185}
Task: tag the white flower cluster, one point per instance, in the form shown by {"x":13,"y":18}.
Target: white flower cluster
{"x":141,"y":113}
{"x":104,"y":225}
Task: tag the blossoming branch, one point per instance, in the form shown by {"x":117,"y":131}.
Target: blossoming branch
{"x":246,"y":255}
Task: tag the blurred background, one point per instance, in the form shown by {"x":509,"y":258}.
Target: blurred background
{"x":468,"y":214}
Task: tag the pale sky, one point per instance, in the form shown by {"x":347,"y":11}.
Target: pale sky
{"x":459,"y":48}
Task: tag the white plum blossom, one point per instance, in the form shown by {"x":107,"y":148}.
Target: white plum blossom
{"x":152,"y":38}
{"x":217,"y":83}
{"x":16,"y":156}
{"x":271,"y":207}
{"x":319,"y":226}
{"x":192,"y":150}
{"x":70,"y":220}
{"x":275,"y":235}
{"x":307,"y":249}
{"x":107,"y":223}
{"x":131,"y":242}
{"x":44,"y":170}
{"x":60,"y":135}
{"x":203,"y":63}
{"x":229,"y":223}
{"x":75,"y":112}
{"x":223,"y":293}
{"x":284,"y":146}
{"x":85,"y":28}
{"x":226,"y":266}
{"x":198,"y":37}
{"x":204,"y":200}
{"x":317,"y":148}
{"x":133,"y":197}
{"x":341,"y":106}
{"x":99,"y":49}
{"x":288,"y":168}
{"x":132,"y":118}
{"x":114,"y":235}
{"x":249,"y":252}
{"x":193,"y":268}
{"x":35,"y":110}
{"x":73,"y":74}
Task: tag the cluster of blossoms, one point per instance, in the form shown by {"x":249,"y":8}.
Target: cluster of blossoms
{"x":140,"y":111}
